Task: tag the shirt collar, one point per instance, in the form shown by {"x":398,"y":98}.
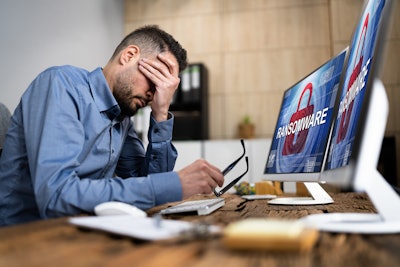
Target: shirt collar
{"x":102,"y":94}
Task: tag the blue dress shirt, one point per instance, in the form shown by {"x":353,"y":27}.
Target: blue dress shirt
{"x":67,"y":150}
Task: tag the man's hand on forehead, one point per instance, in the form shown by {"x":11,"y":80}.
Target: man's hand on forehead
{"x":164,"y":64}
{"x":170,"y":61}
{"x":163,"y":72}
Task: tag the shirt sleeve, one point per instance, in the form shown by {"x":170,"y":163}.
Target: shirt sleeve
{"x":153,"y":181}
{"x":156,"y":164}
{"x":54,"y":148}
{"x":160,"y":155}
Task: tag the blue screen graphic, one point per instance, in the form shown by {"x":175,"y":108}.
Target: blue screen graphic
{"x":354,"y":86}
{"x":302,"y":130}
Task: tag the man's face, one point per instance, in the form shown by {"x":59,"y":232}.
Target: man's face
{"x":132,"y":90}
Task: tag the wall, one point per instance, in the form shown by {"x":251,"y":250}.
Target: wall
{"x":41,"y":33}
{"x":255,"y":49}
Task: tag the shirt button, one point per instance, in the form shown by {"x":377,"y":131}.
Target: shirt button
{"x":156,"y":130}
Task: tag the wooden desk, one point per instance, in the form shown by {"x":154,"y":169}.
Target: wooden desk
{"x":57,"y":243}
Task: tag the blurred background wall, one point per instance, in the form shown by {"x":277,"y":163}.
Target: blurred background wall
{"x":38,"y":34}
{"x":255,"y":49}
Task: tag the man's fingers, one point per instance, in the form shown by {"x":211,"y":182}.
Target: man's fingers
{"x":150,"y":71}
{"x":202,"y":173}
{"x":167,"y":60}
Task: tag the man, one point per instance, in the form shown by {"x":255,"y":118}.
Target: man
{"x":71,"y":144}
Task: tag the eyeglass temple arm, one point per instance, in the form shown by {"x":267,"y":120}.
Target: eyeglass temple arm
{"x":227,"y":187}
{"x":230,"y":167}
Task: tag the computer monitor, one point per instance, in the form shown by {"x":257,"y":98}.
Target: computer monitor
{"x":299,"y":144}
{"x":359,"y":129}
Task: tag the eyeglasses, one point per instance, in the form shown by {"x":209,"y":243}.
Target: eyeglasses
{"x":229,"y":168}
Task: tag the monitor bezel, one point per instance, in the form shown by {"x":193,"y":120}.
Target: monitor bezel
{"x":346,"y":177}
{"x":304,"y":176}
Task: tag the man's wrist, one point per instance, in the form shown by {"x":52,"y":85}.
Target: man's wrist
{"x":161,"y":131}
{"x":160,"y":116}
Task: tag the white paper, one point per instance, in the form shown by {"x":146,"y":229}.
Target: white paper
{"x":140,"y":228}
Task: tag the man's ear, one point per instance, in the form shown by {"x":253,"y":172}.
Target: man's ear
{"x":130,"y":53}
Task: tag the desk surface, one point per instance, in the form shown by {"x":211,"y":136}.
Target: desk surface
{"x":57,"y":243}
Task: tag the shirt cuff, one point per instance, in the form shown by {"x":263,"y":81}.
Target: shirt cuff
{"x":161,"y":131}
{"x":167,"y":187}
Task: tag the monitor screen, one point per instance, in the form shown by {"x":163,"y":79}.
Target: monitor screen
{"x":304,"y":122}
{"x":354,"y":93}
{"x":358,"y":132}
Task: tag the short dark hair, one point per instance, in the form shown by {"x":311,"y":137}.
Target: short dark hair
{"x":151,"y":39}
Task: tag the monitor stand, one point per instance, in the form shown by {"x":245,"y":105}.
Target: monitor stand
{"x":318,"y":196}
{"x":386,"y":221}
{"x":367,"y":179}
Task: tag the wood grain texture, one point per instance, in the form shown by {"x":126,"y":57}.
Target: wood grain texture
{"x":57,"y":243}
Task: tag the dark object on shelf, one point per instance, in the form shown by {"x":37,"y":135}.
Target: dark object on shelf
{"x":190,"y":104}
{"x":387,"y":164}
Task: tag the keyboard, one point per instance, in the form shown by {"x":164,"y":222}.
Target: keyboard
{"x":200,"y":207}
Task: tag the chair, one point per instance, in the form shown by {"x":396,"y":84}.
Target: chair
{"x":5,"y":116}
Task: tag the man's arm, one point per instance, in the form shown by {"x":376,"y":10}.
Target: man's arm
{"x":71,"y":175}
{"x":160,"y":153}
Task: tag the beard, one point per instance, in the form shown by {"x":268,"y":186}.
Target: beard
{"x":123,"y":93}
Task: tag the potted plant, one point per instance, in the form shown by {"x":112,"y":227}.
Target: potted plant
{"x":246,"y":128}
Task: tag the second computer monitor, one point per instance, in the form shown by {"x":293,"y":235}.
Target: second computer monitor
{"x":303,"y":126}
